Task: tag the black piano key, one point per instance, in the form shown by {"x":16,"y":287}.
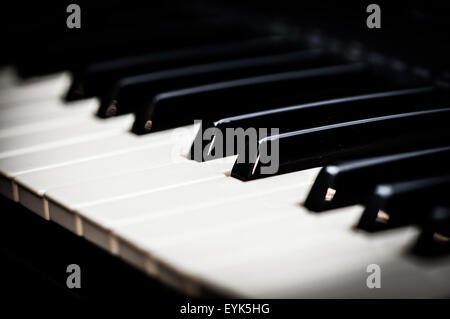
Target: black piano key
{"x":216,"y":100}
{"x":349,"y":183}
{"x":96,"y":78}
{"x":131,"y":93}
{"x":333,"y":111}
{"x":402,"y":203}
{"x":323,"y":145}
{"x":434,"y":240}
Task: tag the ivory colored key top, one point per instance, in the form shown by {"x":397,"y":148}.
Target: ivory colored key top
{"x":289,"y":227}
{"x":335,"y":268}
{"x":52,"y":86}
{"x":42,"y":125}
{"x":32,"y":186}
{"x":117,"y":143}
{"x":267,"y":204}
{"x":289,"y":245}
{"x":44,"y":115}
{"x":99,"y":220}
{"x":64,"y":201}
{"x":320,"y":266}
{"x":94,"y":128}
{"x":259,"y":216}
{"x":238,"y":258}
{"x":170,"y":227}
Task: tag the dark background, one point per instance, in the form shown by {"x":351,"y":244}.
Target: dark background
{"x":35,"y":253}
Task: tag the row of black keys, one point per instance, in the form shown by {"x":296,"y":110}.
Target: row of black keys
{"x":329,"y":111}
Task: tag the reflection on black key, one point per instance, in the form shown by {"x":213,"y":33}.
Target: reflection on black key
{"x":333,"y":111}
{"x":352,"y":182}
{"x":216,"y":100}
{"x":434,"y":239}
{"x":96,"y":78}
{"x":323,"y":145}
{"x":131,"y":93}
{"x":403,"y":203}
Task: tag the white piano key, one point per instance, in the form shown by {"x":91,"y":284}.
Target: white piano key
{"x":252,"y":225}
{"x":294,"y":228}
{"x":94,"y":128}
{"x":21,"y":164}
{"x":335,"y":269}
{"x":85,"y":151}
{"x":297,"y":248}
{"x":43,"y":114}
{"x":32,"y":186}
{"x":254,"y":209}
{"x":41,"y":109}
{"x":289,"y":245}
{"x":42,"y":125}
{"x":64,"y":201}
{"x":118,"y":142}
{"x":198,"y":220}
{"x":99,"y":220}
{"x":121,"y":142}
{"x":19,"y":109}
{"x":43,"y":87}
{"x":12,"y":166}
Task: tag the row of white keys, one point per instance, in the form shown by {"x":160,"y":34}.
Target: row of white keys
{"x":30,"y":118}
{"x":24,"y":128}
{"x":32,"y":90}
{"x":42,"y":110}
{"x":54,"y":146}
{"x":326,"y":263}
{"x":36,"y":105}
{"x":64,"y":202}
{"x":115,"y":143}
{"x":99,"y":220}
{"x":90,"y":162}
{"x":275,"y":248}
{"x":91,"y":128}
{"x":158,"y":235}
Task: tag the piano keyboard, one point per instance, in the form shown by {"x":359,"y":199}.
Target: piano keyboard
{"x":188,"y":223}
{"x":107,"y":152}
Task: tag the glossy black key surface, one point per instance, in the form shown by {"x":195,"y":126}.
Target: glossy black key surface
{"x":405,"y":202}
{"x":349,"y":183}
{"x":97,"y":78}
{"x":332,"y":111}
{"x":323,"y":145}
{"x":131,"y":93}
{"x":209,"y":102}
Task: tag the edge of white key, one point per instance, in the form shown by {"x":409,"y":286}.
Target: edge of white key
{"x":7,"y":188}
{"x":32,"y":201}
